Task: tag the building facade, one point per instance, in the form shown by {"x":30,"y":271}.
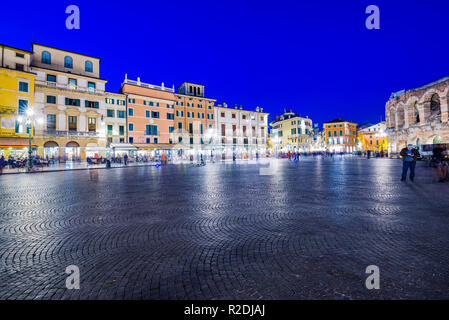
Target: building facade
{"x":373,"y":138}
{"x":194,"y":121}
{"x":340,"y":135}
{"x":319,"y":141}
{"x":292,"y":133}
{"x":116,"y":126}
{"x":70,"y":97}
{"x":241,"y":132}
{"x":71,"y":116}
{"x":16,"y":97}
{"x":150,"y":116}
{"x":418,"y":116}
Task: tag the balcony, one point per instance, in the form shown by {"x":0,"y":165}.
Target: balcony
{"x":70,"y":133}
{"x":64,"y":86}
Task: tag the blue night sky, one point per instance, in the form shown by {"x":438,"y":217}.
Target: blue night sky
{"x":315,"y":57}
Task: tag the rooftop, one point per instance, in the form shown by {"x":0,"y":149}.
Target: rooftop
{"x":338,"y":120}
{"x":397,"y":94}
{"x":162,"y":87}
{"x":14,"y":48}
{"x":238,"y":107}
{"x":288,"y":114}
{"x":81,"y":54}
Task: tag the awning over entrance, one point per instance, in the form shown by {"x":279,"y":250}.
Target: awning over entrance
{"x":14,"y":143}
{"x":160,"y":146}
{"x":122,"y":146}
{"x":93,"y":149}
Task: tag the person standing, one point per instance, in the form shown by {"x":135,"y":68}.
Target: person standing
{"x":125,"y":158}
{"x":409,"y":156}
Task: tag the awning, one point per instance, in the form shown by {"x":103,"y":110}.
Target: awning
{"x":15,"y":143}
{"x":122,"y":146}
{"x":93,"y":149}
{"x":159,"y":146}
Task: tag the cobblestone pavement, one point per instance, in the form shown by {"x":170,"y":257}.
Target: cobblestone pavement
{"x":225,"y":232}
{"x":70,"y":166}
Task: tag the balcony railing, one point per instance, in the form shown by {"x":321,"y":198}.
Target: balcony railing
{"x":149,"y":86}
{"x":65,"y":86}
{"x":71,"y":133}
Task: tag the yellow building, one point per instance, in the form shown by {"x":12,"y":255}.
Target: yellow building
{"x":340,"y":135}
{"x":373,"y":138}
{"x":292,"y":133}
{"x":16,"y":97}
{"x":70,"y":97}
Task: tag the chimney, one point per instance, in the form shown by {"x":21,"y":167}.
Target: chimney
{"x":261,"y":109}
{"x":138,"y":81}
{"x":241,"y":107}
{"x":257,"y":109}
{"x":225,"y":104}
{"x":235,"y":106}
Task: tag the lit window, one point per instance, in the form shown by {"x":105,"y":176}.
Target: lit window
{"x":88,"y":66}
{"x":68,"y":62}
{"x":46,"y":57}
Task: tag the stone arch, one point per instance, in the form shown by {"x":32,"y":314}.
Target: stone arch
{"x":49,"y":144}
{"x":416,"y":117}
{"x":392,"y":117}
{"x":400,"y":116}
{"x":413,"y":111}
{"x":72,"y":144}
{"x":431,"y":101}
{"x":437,"y":140}
{"x":435,"y":107}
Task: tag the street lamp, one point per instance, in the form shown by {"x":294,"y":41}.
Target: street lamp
{"x":29,"y":119}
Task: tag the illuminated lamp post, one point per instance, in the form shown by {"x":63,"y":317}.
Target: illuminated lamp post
{"x":29,"y":120}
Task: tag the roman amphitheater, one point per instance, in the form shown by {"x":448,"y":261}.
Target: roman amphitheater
{"x":418,"y":116}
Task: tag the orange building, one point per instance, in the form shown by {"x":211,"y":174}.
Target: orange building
{"x":194,"y":116}
{"x":150,"y":115}
{"x":373,"y":138}
{"x":340,"y":135}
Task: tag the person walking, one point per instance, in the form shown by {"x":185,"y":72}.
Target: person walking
{"x":439,"y":163}
{"x":2,"y":164}
{"x":125,"y":158}
{"x":409,"y":156}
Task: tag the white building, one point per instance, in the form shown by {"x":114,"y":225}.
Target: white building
{"x":240,"y":131}
{"x":116,"y":133}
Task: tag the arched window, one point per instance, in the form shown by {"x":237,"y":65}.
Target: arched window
{"x":68,"y":62}
{"x":46,"y":57}
{"x":88,"y":66}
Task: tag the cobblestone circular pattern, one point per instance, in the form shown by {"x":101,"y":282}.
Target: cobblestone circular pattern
{"x":225,"y":232}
